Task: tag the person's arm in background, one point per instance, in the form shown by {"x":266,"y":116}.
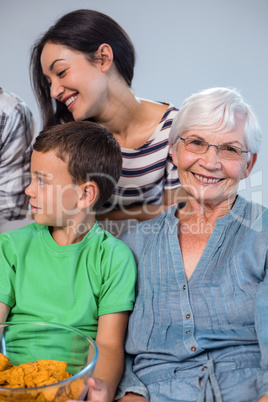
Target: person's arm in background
{"x":6,"y":225}
{"x":17,"y":133}
{"x":172,"y":194}
{"x":146,"y":211}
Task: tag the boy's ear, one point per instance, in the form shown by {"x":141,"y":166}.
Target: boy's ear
{"x":105,"y":52}
{"x":90,"y":192}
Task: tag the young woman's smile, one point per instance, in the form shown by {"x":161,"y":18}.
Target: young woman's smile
{"x":69,"y":101}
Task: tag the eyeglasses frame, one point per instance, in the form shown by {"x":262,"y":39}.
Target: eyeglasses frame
{"x":211,"y":145}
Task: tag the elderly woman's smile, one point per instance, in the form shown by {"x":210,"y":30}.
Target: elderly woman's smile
{"x":206,"y":179}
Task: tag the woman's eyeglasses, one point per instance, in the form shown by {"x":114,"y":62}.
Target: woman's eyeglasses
{"x":225,"y":151}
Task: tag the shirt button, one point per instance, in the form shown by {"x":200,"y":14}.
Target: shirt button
{"x":184,"y":287}
{"x":204,"y":368}
{"x":188,"y":316}
{"x":193,"y":348}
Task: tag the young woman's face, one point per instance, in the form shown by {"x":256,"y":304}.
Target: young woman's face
{"x":74,"y":81}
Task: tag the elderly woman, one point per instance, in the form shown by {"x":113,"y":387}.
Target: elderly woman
{"x":199,"y":330}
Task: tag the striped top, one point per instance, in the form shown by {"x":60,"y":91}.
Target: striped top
{"x":148,"y":170}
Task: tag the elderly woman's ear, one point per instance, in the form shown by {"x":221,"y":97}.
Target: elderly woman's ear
{"x":250,"y":165}
{"x":174,"y":154}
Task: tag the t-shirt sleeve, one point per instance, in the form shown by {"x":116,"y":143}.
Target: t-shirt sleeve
{"x":257,"y":246}
{"x":119,"y":278}
{"x":130,"y":382}
{"x":7,"y":271}
{"x":261,"y":322}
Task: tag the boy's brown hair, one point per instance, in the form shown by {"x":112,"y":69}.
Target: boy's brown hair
{"x":90,"y":151}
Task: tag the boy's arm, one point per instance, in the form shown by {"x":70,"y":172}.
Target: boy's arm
{"x":4,"y":311}
{"x":110,"y":342}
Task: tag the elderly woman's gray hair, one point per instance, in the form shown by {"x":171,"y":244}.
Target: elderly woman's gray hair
{"x":216,"y":109}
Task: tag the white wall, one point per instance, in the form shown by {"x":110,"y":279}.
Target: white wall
{"x":182,"y":46}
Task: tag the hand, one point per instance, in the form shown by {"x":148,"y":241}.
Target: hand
{"x":131,"y":397}
{"x":98,"y":391}
{"x":264,"y":398}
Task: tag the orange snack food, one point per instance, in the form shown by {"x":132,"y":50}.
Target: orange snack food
{"x":43,"y":372}
{"x":4,"y":361}
{"x":38,"y":374}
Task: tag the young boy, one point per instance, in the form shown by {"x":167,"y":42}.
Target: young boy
{"x":64,"y":268}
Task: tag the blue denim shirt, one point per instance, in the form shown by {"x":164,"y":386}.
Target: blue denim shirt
{"x":201,"y":340}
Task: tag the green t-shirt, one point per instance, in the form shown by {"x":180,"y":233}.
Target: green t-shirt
{"x":70,"y":285}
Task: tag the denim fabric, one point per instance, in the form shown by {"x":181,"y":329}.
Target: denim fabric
{"x":197,"y":341}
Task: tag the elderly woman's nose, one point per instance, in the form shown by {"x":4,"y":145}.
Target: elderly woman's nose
{"x":211,"y":157}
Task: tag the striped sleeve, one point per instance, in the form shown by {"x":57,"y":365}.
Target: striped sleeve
{"x":148,"y":170}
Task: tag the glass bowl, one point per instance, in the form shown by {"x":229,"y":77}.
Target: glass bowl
{"x":24,"y":342}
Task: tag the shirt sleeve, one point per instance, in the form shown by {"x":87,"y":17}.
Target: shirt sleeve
{"x":7,"y":271}
{"x":17,"y":133}
{"x":262,"y":331}
{"x":119,"y":278}
{"x":130,"y":382}
{"x":261,"y":305}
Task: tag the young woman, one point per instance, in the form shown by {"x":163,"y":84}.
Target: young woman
{"x":82,"y":68}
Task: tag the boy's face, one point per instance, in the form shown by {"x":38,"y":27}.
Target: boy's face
{"x":53,"y":196}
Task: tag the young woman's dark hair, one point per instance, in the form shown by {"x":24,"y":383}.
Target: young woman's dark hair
{"x":84,"y":31}
{"x":90,"y":151}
